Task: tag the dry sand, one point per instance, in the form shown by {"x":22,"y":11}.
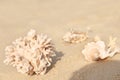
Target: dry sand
{"x":55,"y":18}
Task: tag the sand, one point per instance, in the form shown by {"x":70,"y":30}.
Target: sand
{"x":55,"y":18}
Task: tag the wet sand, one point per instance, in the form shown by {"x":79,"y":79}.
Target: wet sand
{"x":55,"y":18}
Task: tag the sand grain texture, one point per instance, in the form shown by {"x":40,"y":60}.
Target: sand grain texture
{"x":55,"y":18}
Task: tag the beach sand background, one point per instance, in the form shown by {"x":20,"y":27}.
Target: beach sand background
{"x":55,"y":18}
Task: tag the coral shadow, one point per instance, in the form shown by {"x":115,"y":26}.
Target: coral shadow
{"x":103,"y":70}
{"x":55,"y":59}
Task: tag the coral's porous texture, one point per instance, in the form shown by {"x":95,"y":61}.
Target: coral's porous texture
{"x":75,"y":37}
{"x":31,"y":54}
{"x":97,"y":50}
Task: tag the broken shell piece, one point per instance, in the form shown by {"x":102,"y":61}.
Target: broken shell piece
{"x":75,"y":37}
{"x":94,"y":51}
{"x":30,"y":54}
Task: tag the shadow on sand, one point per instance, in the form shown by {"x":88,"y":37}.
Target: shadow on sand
{"x":102,"y":70}
{"x":55,"y":59}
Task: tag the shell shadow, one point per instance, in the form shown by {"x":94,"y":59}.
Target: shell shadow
{"x":55,"y":59}
{"x":102,"y":70}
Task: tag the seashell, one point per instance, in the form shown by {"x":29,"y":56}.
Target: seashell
{"x":75,"y":37}
{"x":97,"y":50}
{"x":93,"y":50}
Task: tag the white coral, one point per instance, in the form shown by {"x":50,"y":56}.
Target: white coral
{"x":30,"y":54}
{"x":75,"y":37}
{"x":97,"y":50}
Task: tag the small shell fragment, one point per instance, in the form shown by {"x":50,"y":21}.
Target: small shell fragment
{"x":75,"y":36}
{"x":30,"y":54}
{"x":97,"y":50}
